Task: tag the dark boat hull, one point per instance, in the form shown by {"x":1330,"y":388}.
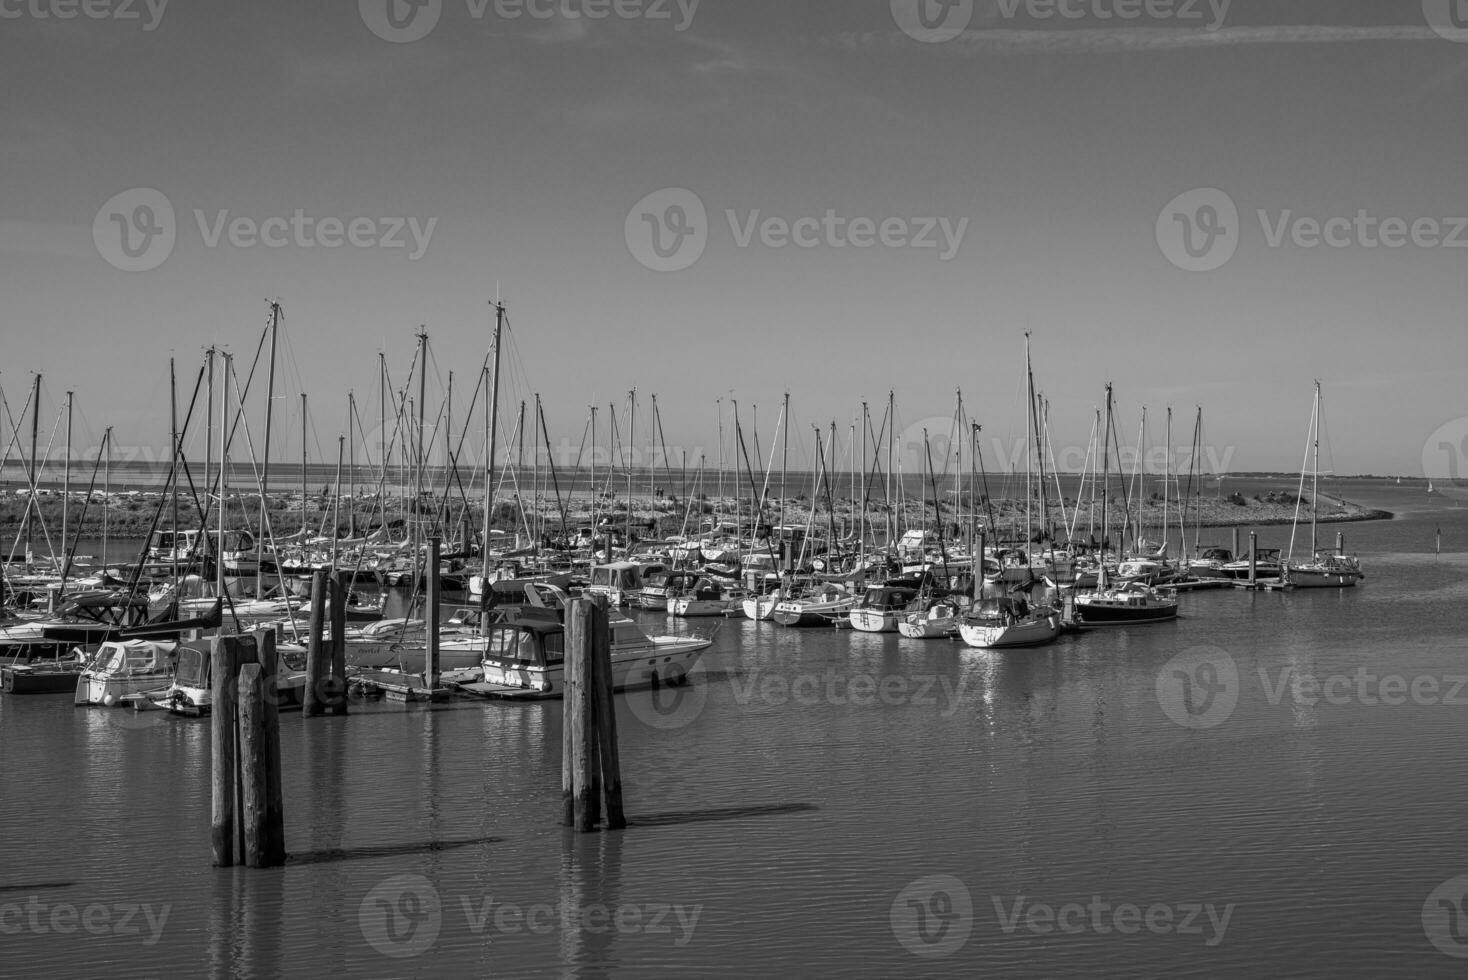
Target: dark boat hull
{"x":38,"y":679}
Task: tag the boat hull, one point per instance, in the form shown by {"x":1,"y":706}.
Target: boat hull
{"x":999,"y":636}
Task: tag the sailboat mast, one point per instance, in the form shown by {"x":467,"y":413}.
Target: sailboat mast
{"x":631,"y":468}
{"x":66,"y":493}
{"x":305,"y":491}
{"x":351,"y":465}
{"x":34,"y":470}
{"x":1039,"y":451}
{"x":418,"y":450}
{"x":223,"y":473}
{"x":107,"y":493}
{"x":1315,"y":471}
{"x":1166,"y":478}
{"x":1105,"y":487}
{"x":492,"y":442}
{"x":785,"y":452}
{"x":265,"y":467}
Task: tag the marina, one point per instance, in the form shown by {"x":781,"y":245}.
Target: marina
{"x":604,"y":491}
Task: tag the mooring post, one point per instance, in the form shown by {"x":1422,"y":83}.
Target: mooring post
{"x":430,"y":657}
{"x":1253,"y":557}
{"x":274,"y":794}
{"x":579,"y":707}
{"x":318,"y":659}
{"x":1340,"y":542}
{"x":337,"y":705}
{"x":606,"y":712}
{"x":222,"y":732}
{"x":254,"y":767}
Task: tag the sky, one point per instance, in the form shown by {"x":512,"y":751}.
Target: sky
{"x":1204,"y":204}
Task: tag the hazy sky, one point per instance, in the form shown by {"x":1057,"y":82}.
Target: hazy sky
{"x":959,"y":188}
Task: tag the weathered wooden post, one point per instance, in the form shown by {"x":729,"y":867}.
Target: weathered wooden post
{"x":274,"y":852}
{"x":430,"y":656}
{"x":1340,"y":542}
{"x":254,"y":768}
{"x":606,"y":713}
{"x":224,"y":813}
{"x":1253,"y":557}
{"x":318,"y":659}
{"x":579,"y":711}
{"x":1235,"y":551}
{"x":337,"y":705}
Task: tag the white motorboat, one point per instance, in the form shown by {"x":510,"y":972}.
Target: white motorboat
{"x":126,"y":667}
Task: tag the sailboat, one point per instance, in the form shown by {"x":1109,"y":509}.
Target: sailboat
{"x":1129,"y":604}
{"x":1325,"y":570}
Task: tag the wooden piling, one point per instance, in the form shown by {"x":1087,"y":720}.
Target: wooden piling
{"x":274,"y":853}
{"x":1253,"y":557}
{"x":254,"y":766}
{"x":337,"y":705}
{"x":318,"y":658}
{"x":1340,"y":542}
{"x":579,"y":708}
{"x":606,"y":713}
{"x":222,"y":732}
{"x":1235,"y":551}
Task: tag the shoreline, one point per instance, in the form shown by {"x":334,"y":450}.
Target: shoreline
{"x":132,"y":513}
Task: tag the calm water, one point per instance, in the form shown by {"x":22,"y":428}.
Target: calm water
{"x":835,"y":803}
